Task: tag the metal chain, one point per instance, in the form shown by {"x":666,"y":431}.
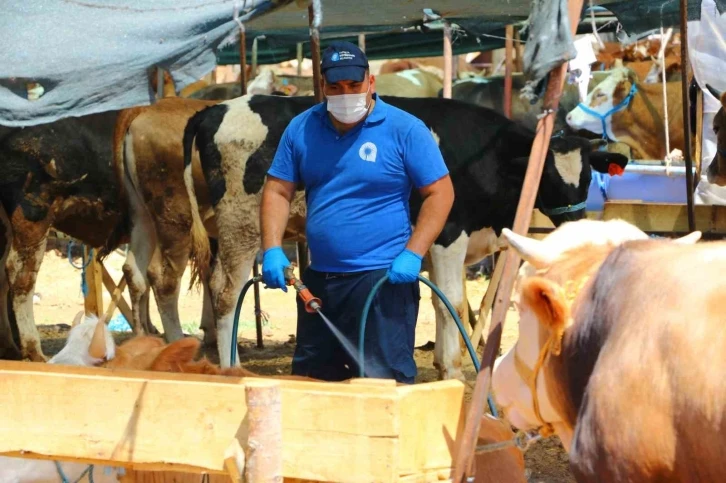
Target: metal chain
{"x":521,"y":440}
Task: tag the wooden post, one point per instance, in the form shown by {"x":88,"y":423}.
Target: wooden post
{"x":447,"y":60}
{"x":466,"y":444}
{"x":253,"y":72}
{"x":299,"y":58}
{"x":362,"y":42}
{"x":486,"y":302}
{"x":243,"y":61}
{"x":93,"y":301}
{"x":508,"y":51}
{"x":258,"y":307}
{"x":263,"y":461}
{"x":123,"y":307}
{"x":688,"y":153}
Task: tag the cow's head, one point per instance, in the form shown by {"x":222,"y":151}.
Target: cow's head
{"x":716,"y":172}
{"x":607,"y":99}
{"x":567,"y":175}
{"x":554,"y":277}
{"x":89,"y":343}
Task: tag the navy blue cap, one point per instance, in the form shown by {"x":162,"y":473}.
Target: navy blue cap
{"x":343,"y":61}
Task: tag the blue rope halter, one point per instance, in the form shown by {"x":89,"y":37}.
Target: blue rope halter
{"x":562,"y":209}
{"x":603,"y":117}
{"x":65,"y":479}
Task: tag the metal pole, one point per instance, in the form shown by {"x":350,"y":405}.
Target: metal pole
{"x":362,"y":42}
{"x":315,"y":54}
{"x":447,"y":60}
{"x":299,"y":58}
{"x":508,"y":51}
{"x":253,"y":74}
{"x":258,"y":306}
{"x":159,"y":82}
{"x":467,"y":443}
{"x":686,"y":116}
{"x":243,"y":61}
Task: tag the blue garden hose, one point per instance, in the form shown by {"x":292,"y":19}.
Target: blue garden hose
{"x":362,"y":326}
{"x":452,"y":311}
{"x":235,"y":324}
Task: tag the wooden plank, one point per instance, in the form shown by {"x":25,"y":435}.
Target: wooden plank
{"x":428,"y":443}
{"x":668,"y":217}
{"x":331,"y":432}
{"x":111,"y":286}
{"x":93,"y":301}
{"x":116,"y":296}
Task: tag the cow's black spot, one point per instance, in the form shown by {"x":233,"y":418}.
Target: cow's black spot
{"x":209,"y":121}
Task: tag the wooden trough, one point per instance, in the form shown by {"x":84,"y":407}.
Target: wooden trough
{"x":148,"y":422}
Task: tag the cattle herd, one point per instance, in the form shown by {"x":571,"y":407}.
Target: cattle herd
{"x":601,"y":306}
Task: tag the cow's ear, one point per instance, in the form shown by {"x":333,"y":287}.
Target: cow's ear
{"x":175,"y":355}
{"x":547,"y":300}
{"x":608,"y":163}
{"x":98,"y":349}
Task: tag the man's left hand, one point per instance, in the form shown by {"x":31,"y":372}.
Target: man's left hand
{"x":405,"y":267}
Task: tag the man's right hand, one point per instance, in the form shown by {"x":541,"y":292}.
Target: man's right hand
{"x":274,"y":263}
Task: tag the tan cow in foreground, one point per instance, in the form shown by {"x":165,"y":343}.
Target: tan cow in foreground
{"x":616,"y":357}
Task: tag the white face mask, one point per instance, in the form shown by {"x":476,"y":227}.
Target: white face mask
{"x":348,"y":108}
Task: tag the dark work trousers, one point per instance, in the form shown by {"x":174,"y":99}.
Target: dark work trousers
{"x":390,"y":330}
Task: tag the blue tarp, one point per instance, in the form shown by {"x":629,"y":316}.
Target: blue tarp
{"x":95,"y":55}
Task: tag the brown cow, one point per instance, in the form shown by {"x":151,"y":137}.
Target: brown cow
{"x":639,"y":122}
{"x":150,"y":162}
{"x":615,"y":358}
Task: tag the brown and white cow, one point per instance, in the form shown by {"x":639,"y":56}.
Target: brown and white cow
{"x":639,"y":121}
{"x":615,"y":357}
{"x":150,"y":162}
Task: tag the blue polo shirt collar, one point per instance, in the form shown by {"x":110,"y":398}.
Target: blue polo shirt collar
{"x":377,"y":115}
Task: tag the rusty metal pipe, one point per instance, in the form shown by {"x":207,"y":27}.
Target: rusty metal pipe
{"x":315,"y":54}
{"x":465,"y":455}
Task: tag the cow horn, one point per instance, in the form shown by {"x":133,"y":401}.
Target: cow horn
{"x":689,"y":239}
{"x":97,"y":350}
{"x":713,"y":92}
{"x":531,"y":250}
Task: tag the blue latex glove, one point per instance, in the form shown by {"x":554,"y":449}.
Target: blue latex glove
{"x":274,"y":263}
{"x":405,"y":267}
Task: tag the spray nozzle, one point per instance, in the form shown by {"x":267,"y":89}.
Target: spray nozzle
{"x":312,"y":303}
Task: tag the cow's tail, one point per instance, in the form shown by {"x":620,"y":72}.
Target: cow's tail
{"x":122,"y":230}
{"x":201,"y":253}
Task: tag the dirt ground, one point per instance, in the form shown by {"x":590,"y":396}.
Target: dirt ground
{"x":60,"y":298}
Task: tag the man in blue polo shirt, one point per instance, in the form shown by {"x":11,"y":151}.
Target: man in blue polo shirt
{"x":358,"y":158}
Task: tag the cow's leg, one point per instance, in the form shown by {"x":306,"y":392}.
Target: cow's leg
{"x":165,"y":273}
{"x":135,"y":270}
{"x":8,"y":348}
{"x":208,"y":325}
{"x":447,"y":265}
{"x":23,"y":262}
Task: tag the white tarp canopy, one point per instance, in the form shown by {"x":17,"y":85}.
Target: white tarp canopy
{"x":95,"y":55}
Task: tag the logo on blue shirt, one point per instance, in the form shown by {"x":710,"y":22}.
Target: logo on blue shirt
{"x":368,"y":151}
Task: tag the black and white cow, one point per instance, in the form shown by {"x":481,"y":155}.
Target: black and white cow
{"x":487,"y":157}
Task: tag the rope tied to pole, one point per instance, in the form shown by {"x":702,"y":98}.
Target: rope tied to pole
{"x":82,"y":267}
{"x":64,"y":478}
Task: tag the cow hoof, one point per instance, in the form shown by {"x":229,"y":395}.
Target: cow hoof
{"x":452,"y":374}
{"x":10,"y":354}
